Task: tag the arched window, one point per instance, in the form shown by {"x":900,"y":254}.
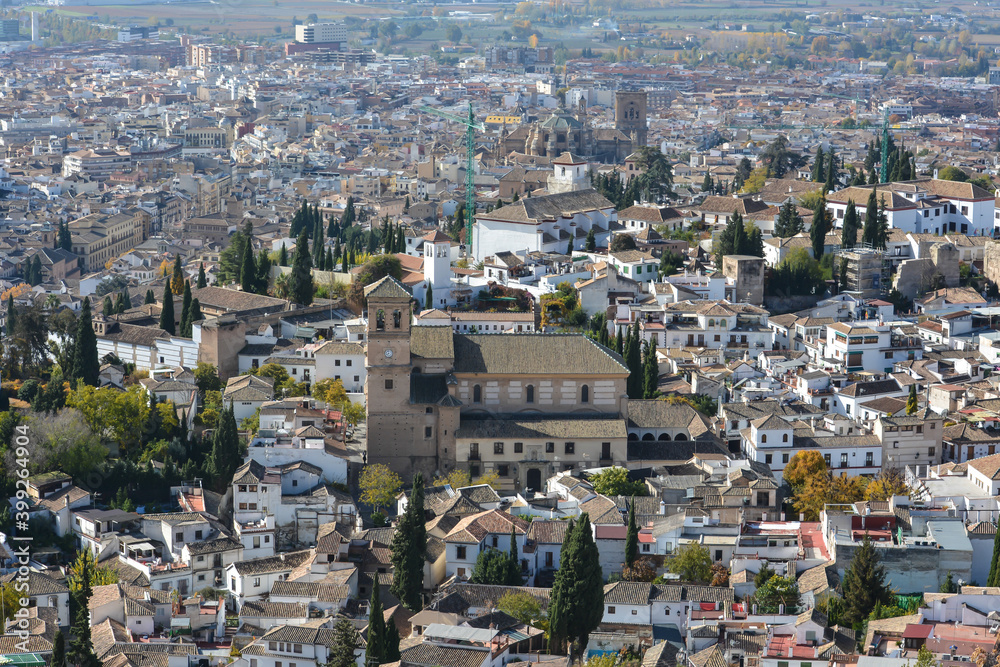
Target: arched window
{"x":711,"y":323}
{"x":396,"y":318}
{"x":648,"y":436}
{"x":585,"y":394}
{"x":784,"y":437}
{"x":530,"y":393}
{"x":763,"y":437}
{"x":664,"y":437}
{"x":679,"y":437}
{"x":380,"y":320}
{"x":477,"y":394}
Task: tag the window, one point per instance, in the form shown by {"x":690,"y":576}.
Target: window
{"x":611,"y":610}
{"x":347,"y":363}
{"x":388,"y":383}
{"x":763,"y":437}
{"x":585,"y":394}
{"x":503,"y":470}
{"x":296,"y":648}
{"x":767,"y":459}
{"x":529,"y":393}
{"x":179,"y":537}
{"x":256,"y":581}
{"x":826,"y":457}
{"x":635,"y":612}
{"x":920,"y":428}
{"x":930,"y":451}
{"x":571,"y":448}
{"x":550,"y":447}
{"x":843,"y":460}
{"x":256,"y":542}
{"x":197,"y":534}
{"x":428,"y":431}
{"x":267,"y":539}
{"x":784,"y":457}
{"x":784,"y":437}
{"x":336,"y":362}
{"x":869,"y":459}
{"x":498,"y":448}
{"x":518,"y":447}
{"x":477,"y":394}
{"x":429,"y":411}
{"x":243,"y":506}
{"x":460,"y":553}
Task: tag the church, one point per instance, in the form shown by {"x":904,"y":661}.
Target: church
{"x":566,"y":132}
{"x":521,"y":405}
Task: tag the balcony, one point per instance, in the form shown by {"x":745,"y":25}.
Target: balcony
{"x":474,"y":456}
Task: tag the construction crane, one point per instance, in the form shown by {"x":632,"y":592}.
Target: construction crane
{"x":471,"y":127}
{"x":884,"y":175}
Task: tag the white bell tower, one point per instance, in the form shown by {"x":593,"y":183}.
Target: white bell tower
{"x":437,"y":268}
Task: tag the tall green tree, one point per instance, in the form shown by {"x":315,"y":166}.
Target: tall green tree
{"x":58,"y":650}
{"x":345,"y":642}
{"x":409,"y":550}
{"x":81,"y":648}
{"x":263,"y":278}
{"x":375,"y":651}
{"x":283,"y":255}
{"x":849,"y":233}
{"x":186,"y":309}
{"x":875,"y":231}
{"x":819,"y":164}
{"x":789,"y":221}
{"x":650,"y":371}
{"x":86,"y":366}
{"x":248,"y":270}
{"x":994,"y":577}
{"x":167,"y":312}
{"x":591,"y":243}
{"x":577,"y":598}
{"x":225,"y":455}
{"x":864,"y":584}
{"x":107,"y":307}
{"x":202,"y":278}
{"x":831,"y":172}
{"x":429,"y":296}
{"x":911,"y":400}
{"x":177,"y":277}
{"x":150,"y":298}
{"x":64,"y":240}
{"x":300,"y":281}
{"x":631,"y":536}
{"x":820,"y":227}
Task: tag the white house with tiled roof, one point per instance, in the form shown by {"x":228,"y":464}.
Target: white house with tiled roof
{"x":477,"y":532}
{"x":925,"y":205}
{"x":639,"y":266}
{"x":246,"y":393}
{"x":984,"y":472}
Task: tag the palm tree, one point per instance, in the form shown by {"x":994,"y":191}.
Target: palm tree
{"x":52,"y":302}
{"x":282,"y":288}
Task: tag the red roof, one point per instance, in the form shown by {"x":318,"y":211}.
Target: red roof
{"x":917,"y":631}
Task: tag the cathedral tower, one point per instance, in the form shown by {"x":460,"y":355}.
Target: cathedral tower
{"x":630,"y":115}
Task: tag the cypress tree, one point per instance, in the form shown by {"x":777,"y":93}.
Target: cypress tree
{"x":195,"y":311}
{"x":818,"y":175}
{"x":650,"y":372}
{"x":107,"y":307}
{"x":632,"y":536}
{"x":831,"y":172}
{"x":81,"y":649}
{"x":177,"y":278}
{"x":225,"y":455}
{"x":864,"y":585}
{"x":820,"y":226}
{"x":336,"y":250}
{"x":514,"y":576}
{"x":429,"y":296}
{"x":301,"y":282}
{"x":344,"y":265}
{"x":126,"y":300}
{"x":409,"y":550}
{"x":577,"y":598}
{"x":789,"y":221}
{"x":869,"y":233}
{"x":86,"y":366}
{"x":58,"y":650}
{"x":849,"y":234}
{"x":391,"y":651}
{"x":167,"y":312}
{"x":65,"y":240}
{"x":620,"y":343}
{"x":634,"y":363}
{"x":263,"y":278}
{"x":119,"y":304}
{"x":317,"y":247}
{"x":591,"y":244}
{"x":328,"y":264}
{"x":186,"y":310}
{"x":202,"y":278}
{"x":150,"y":297}
{"x":248,"y":269}
{"x":283,"y":256}
{"x":11,"y":315}
{"x":376,"y":627}
{"x":911,"y":400}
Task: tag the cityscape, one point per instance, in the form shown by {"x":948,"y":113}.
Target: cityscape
{"x":575,"y":333}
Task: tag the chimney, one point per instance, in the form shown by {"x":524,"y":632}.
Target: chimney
{"x":663,"y":508}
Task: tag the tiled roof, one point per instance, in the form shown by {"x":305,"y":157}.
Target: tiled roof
{"x":38,"y":583}
{"x":432,"y":342}
{"x":432,"y":655}
{"x":475,"y":528}
{"x":260,"y":609}
{"x":534,"y":354}
{"x":543,"y":427}
{"x":279,"y":563}
{"x":386,"y":288}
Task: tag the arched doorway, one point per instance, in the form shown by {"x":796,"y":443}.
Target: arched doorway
{"x":533,"y":479}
